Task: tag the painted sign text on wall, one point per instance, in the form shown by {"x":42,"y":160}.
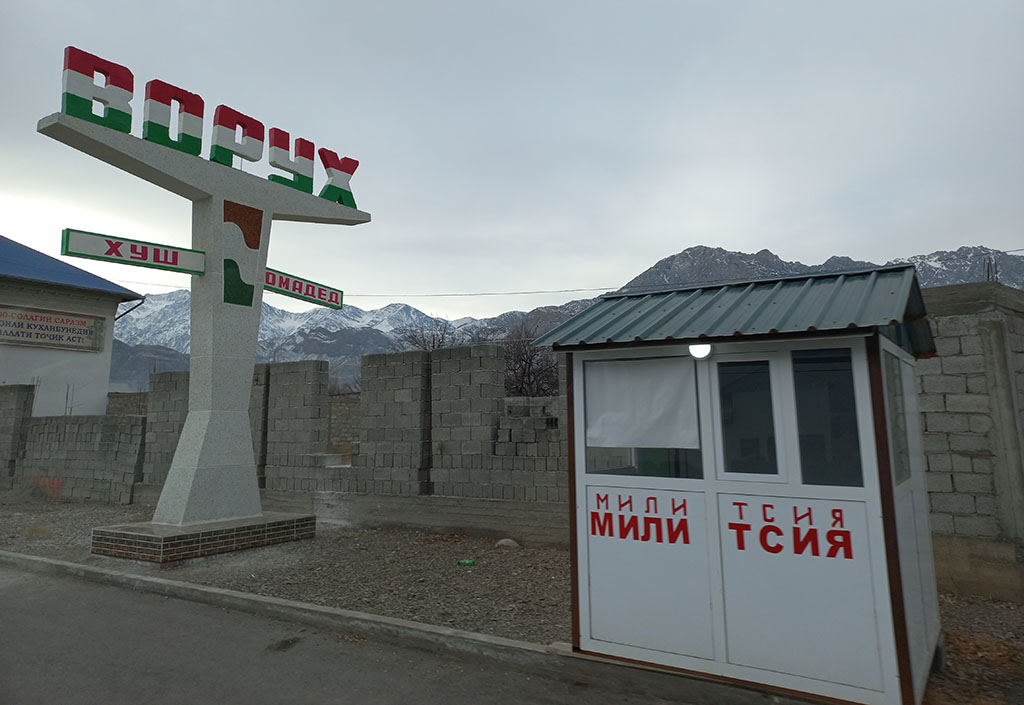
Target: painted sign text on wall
{"x":22,"y":326}
{"x":302,"y":289}
{"x":79,"y":243}
{"x":173,"y":117}
{"x":628,"y":523}
{"x":762,"y":526}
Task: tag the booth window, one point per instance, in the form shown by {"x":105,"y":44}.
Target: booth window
{"x":748,"y":427}
{"x":826,"y":414}
{"x":895,"y":411}
{"x":641,"y":417}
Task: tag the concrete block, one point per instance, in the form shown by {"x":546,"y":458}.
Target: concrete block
{"x":941,"y":523}
{"x":981,"y":464}
{"x":980,"y":423}
{"x":939,"y":481}
{"x":960,"y":463}
{"x":963,"y":364}
{"x":946,"y":422}
{"x":944,"y":384}
{"x":952,"y":503}
{"x":975,"y":526}
{"x":985,"y":505}
{"x":969,"y":443}
{"x":973,"y":403}
{"x":977,"y":384}
{"x":973,"y":483}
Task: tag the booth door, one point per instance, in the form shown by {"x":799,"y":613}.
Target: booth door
{"x":798,"y":580}
{"x":644,"y":557}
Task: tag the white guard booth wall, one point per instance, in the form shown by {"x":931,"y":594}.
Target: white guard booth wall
{"x":759,"y":515}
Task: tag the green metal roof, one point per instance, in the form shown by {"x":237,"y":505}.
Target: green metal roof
{"x":878,"y":298}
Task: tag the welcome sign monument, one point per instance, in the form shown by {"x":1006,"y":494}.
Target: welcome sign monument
{"x":210,"y":501}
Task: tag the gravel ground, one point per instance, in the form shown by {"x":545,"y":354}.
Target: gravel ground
{"x":519,"y":593}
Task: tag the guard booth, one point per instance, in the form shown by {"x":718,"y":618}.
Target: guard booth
{"x":749,"y":487}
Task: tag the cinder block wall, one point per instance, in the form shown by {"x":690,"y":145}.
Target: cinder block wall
{"x":94,"y":457}
{"x":393,"y":452}
{"x":258,"y":410}
{"x":481,"y":445}
{"x":15,"y":409}
{"x":297,"y":418}
{"x":288,"y":417}
{"x":166,"y":408}
{"x":972,"y":398}
{"x":466,"y":390}
{"x":344,"y":429}
{"x":127,"y":403}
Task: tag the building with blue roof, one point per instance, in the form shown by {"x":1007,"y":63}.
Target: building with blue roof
{"x":56,"y":330}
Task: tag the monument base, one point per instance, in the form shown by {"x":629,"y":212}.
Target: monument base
{"x":163,"y":543}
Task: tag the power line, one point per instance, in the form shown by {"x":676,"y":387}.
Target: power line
{"x":509,"y":293}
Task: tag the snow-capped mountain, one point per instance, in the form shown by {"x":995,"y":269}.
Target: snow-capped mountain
{"x":968,"y":264}
{"x":701,"y":264}
{"x":343,"y":336}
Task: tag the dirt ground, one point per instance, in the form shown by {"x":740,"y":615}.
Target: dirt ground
{"x":519,"y":593}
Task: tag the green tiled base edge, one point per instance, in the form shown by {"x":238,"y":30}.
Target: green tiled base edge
{"x":163,"y":543}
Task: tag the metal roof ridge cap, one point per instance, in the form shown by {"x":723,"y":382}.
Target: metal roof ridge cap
{"x":654,"y":299}
{"x":570,"y":328}
{"x":667,"y":288}
{"x":572,"y":323}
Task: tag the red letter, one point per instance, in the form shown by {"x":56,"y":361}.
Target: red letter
{"x":740,"y":506}
{"x":626,"y":527}
{"x":165,"y":256}
{"x":650,"y":501}
{"x":839,"y":540}
{"x":740,"y":530}
{"x":334,"y":298}
{"x":677,"y":507}
{"x":770,"y":529}
{"x":837,"y":518}
{"x":627,"y":503}
{"x":682,"y":528}
{"x":602,"y":499}
{"x":113,"y":248}
{"x":648,"y":523}
{"x":797,"y":516}
{"x":764,"y":513}
{"x":802,"y":541}
{"x":601,"y":525}
{"x":321,"y":293}
{"x":140,"y":252}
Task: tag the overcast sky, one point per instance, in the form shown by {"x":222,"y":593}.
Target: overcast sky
{"x":521,"y":146}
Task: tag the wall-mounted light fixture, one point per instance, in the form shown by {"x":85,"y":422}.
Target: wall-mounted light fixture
{"x":700,"y":351}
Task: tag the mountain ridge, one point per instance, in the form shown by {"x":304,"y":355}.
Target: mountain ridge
{"x":343,"y":336}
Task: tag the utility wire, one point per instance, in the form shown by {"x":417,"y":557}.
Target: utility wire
{"x":507,"y":293}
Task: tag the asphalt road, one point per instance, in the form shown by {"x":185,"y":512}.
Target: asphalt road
{"x":66,"y":640}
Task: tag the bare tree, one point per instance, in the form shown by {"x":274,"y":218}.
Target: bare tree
{"x":429,"y":334}
{"x":350,"y":386}
{"x":529,"y":371}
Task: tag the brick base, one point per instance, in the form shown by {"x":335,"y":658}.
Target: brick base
{"x":162,"y":543}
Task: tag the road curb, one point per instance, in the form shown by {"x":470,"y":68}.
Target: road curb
{"x":557,"y":662}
